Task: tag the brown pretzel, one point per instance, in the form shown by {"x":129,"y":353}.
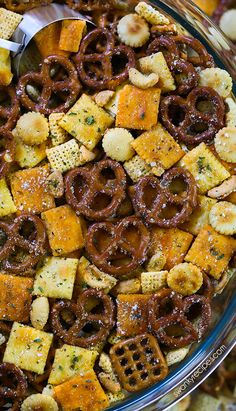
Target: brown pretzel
{"x":187,"y":122}
{"x":90,"y":5}
{"x":67,"y":88}
{"x":9,"y":109}
{"x":168,"y":309}
{"x":7,"y":152}
{"x":22,"y":6}
{"x":181,"y":66}
{"x":125,"y":248}
{"x":207,"y":288}
{"x":91,"y":193}
{"x":138,"y":362}
{"x":13,"y":386}
{"x":161,"y":197}
{"x":95,"y":60}
{"x":19,"y":236}
{"x":101,"y":323}
{"x":203,"y":58}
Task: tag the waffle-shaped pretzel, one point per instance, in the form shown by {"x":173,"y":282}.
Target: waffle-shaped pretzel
{"x":67,"y":88}
{"x":84,"y":186}
{"x":125,"y":248}
{"x":168,"y":309}
{"x":189,"y":123}
{"x":95,"y":60}
{"x":13,"y":386}
{"x":138,"y":362}
{"x":9,"y":109}
{"x":161,"y":197}
{"x":102,"y":321}
{"x":22,"y":6}
{"x":17,"y":237}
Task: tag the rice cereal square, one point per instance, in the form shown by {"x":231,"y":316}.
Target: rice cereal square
{"x":28,"y":348}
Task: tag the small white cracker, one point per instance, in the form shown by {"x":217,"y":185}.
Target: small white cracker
{"x":217,"y":79}
{"x":225,"y":144}
{"x":133,"y":30}
{"x":175,"y":356}
{"x":117,"y":144}
{"x":231,"y":114}
{"x":222,"y":217}
{"x":141,"y":80}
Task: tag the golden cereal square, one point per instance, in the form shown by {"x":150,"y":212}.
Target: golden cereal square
{"x":7,"y":205}
{"x":70,"y":361}
{"x":29,"y":190}
{"x":64,"y":230}
{"x":157,"y":147}
{"x":5,"y":67}
{"x":153,"y":281}
{"x":15,"y":298}
{"x":47,"y":40}
{"x":9,"y":21}
{"x":211,"y":251}
{"x":132,"y":314}
{"x":86,"y":121}
{"x":56,"y":278}
{"x":29,"y":156}
{"x":173,"y":242}
{"x":72,"y":32}
{"x":28,"y":348}
{"x":205,"y":168}
{"x":200,"y":217}
{"x":57,"y":134}
{"x":138,"y":109}
{"x":82,"y":392}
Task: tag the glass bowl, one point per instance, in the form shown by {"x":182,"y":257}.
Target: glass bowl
{"x":205,"y":356}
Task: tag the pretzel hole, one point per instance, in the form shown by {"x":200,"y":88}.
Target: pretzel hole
{"x":157,"y":371}
{"x":8,"y":380}
{"x":119,"y":62}
{"x":144,"y":342}
{"x":34,"y":91}
{"x":176,"y":114}
{"x":194,"y":311}
{"x":123,"y":362}
{"x":131,"y":235}
{"x":94,"y":70}
{"x":168,"y":211}
{"x":177,"y":185}
{"x":204,"y":105}
{"x":89,"y":330}
{"x":154,"y":361}
{"x":67,"y":318}
{"x":144,"y":376}
{"x":198,"y":128}
{"x":100,"y":201}
{"x":3,"y":144}
{"x":3,"y":238}
{"x":79,"y":187}
{"x":27,"y":230}
{"x":107,"y":174}
{"x":149,"y":195}
{"x":101,"y":240}
{"x":175,"y":330}
{"x":120,"y":351}
{"x":57,"y":98}
{"x":136,"y":356}
{"x":128,"y":371}
{"x":120,"y":259}
{"x":140,"y":366}
{"x":132,"y":381}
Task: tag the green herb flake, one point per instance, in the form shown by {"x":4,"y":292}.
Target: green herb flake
{"x":90,"y":120}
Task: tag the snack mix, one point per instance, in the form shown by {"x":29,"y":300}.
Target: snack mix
{"x":117,"y":205}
